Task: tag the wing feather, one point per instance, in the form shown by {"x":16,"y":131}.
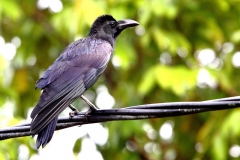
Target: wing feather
{"x":76,"y":69}
{"x":47,"y":115}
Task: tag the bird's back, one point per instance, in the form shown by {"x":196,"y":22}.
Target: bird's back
{"x":74,"y":71}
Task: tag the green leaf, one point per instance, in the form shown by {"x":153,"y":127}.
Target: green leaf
{"x":148,"y":82}
{"x":219,"y":148}
{"x":236,"y":36}
{"x":10,"y":8}
{"x":161,"y":38}
{"x":77,"y":146}
{"x":229,"y":125}
{"x":178,"y":79}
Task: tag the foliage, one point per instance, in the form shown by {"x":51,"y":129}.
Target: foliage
{"x":182,"y":51}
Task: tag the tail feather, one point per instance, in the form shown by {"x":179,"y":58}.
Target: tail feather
{"x":45,"y":135}
{"x":45,"y":116}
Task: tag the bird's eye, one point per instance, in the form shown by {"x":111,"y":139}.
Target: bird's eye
{"x":113,"y":24}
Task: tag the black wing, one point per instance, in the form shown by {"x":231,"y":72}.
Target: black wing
{"x":76,"y":69}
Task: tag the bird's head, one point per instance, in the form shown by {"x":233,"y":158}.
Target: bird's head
{"x":107,"y":28}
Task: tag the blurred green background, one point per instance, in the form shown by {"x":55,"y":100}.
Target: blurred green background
{"x":186,"y":50}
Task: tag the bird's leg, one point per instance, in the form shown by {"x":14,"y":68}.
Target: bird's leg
{"x":72,"y":107}
{"x":89,"y":103}
{"x":92,"y":106}
{"x":74,"y":110}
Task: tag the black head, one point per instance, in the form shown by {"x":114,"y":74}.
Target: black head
{"x":107,"y":28}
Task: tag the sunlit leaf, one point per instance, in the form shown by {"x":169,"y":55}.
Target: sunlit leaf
{"x":147,"y":82}
{"x":10,"y":8}
{"x":126,"y":53}
{"x":161,"y":38}
{"x":219,"y":148}
{"x":178,"y":79}
{"x":86,"y":8}
{"x":236,"y":36}
{"x":229,"y":124}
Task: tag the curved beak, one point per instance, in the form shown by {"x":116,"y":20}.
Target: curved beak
{"x":126,"y":23}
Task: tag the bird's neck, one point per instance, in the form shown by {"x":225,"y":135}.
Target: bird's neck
{"x":105,"y":37}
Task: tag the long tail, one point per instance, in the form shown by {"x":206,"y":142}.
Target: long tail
{"x":45,"y":113}
{"x":45,"y":135}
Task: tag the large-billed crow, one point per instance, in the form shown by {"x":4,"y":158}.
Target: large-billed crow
{"x":73,"y":72}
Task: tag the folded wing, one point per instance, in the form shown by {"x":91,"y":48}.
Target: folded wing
{"x":76,"y":69}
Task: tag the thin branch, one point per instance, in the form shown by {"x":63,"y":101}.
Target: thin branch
{"x":158,"y":110}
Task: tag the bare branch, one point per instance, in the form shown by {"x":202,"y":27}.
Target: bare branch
{"x":146,"y":111}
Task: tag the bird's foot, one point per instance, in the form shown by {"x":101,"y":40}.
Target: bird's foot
{"x":72,"y":114}
{"x":90,"y":110}
{"x":74,"y":111}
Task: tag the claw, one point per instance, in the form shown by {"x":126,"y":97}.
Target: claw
{"x":74,"y":111}
{"x":90,"y":110}
{"x":72,"y":114}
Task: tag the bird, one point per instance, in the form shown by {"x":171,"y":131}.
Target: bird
{"x":75,"y":70}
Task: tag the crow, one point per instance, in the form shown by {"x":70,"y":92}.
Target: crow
{"x":73,"y":72}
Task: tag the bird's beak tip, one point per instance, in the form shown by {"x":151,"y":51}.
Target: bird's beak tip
{"x":126,"y":23}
